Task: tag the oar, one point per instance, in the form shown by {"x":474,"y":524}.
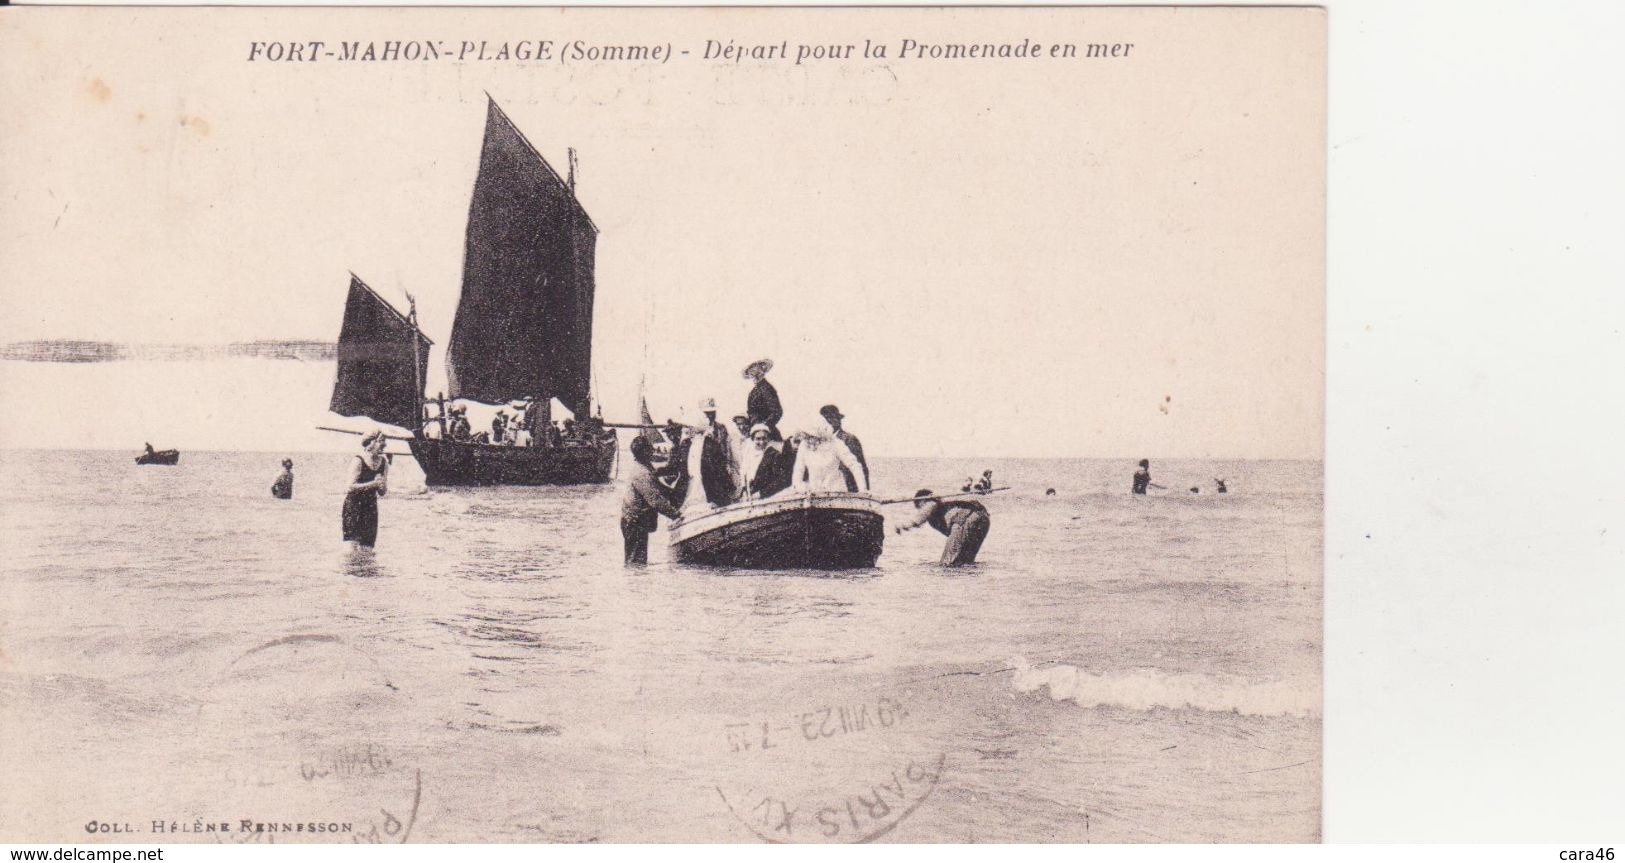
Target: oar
{"x":1157,"y":487}
{"x":944,"y":496}
{"x":348,"y":431}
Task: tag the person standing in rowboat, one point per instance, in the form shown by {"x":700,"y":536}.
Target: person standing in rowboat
{"x":740,"y":444}
{"x":717,"y":469}
{"x":824,"y":464}
{"x":834,"y":417}
{"x":282,"y":489}
{"x":369,"y":480}
{"x":965,"y":523}
{"x":763,"y":403}
{"x":644,"y":503}
{"x":762,"y":466}
{"x":1142,"y":477}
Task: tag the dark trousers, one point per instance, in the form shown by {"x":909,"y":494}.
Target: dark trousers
{"x":636,"y":537}
{"x":965,"y":537}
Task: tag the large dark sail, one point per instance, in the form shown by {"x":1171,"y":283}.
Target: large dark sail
{"x":524,"y":326}
{"x":376,"y":376}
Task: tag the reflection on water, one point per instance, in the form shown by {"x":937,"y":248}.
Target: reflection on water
{"x":1114,"y":669}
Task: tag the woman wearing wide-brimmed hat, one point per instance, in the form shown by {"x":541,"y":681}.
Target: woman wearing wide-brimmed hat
{"x":762,"y":405}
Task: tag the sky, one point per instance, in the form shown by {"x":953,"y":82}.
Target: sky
{"x":1044,"y":258}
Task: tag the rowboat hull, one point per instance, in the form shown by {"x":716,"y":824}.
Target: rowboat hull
{"x":161,"y":457}
{"x":822,"y":531}
{"x":459,"y":463}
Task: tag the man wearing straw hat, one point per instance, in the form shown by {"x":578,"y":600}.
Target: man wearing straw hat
{"x":763,"y":403}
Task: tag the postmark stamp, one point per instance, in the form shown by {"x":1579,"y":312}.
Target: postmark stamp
{"x":842,"y":771}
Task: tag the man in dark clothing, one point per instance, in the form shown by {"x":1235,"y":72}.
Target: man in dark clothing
{"x":964,"y":522}
{"x":643,"y":504}
{"x":1142,"y":477}
{"x":833,"y":416}
{"x":282,"y":489}
{"x":460,"y":428}
{"x":499,"y":426}
{"x":763,"y":403}
{"x":716,"y":457}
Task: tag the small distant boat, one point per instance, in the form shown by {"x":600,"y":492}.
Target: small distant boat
{"x":162,"y":456}
{"x":827,"y":530}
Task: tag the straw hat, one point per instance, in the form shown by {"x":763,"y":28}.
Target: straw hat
{"x":761,"y":367}
{"x":708,"y":404}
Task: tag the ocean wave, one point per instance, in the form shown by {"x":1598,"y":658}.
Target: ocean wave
{"x":1148,"y":689}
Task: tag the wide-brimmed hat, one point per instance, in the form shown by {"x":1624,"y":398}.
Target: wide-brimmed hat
{"x":1145,"y":463}
{"x":741,"y":418}
{"x":832,"y":412}
{"x":761,"y":367}
{"x":287,"y":462}
{"x":708,"y":404}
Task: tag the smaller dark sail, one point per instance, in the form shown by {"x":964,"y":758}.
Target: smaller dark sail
{"x":648,"y":433}
{"x":381,"y":370}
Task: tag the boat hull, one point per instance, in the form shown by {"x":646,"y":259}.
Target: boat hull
{"x":162,"y":457}
{"x":459,"y":463}
{"x":821,"y":531}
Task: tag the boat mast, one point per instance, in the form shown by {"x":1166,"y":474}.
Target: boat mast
{"x":417,"y":374}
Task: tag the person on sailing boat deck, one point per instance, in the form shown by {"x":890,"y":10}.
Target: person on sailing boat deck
{"x":282,"y":489}
{"x":369,"y":480}
{"x":499,"y":425}
{"x":823,"y":464}
{"x":763,"y":403}
{"x":460,"y":428}
{"x":643,"y":504}
{"x":964,"y":522}
{"x":833,"y":416}
{"x":762,"y":466}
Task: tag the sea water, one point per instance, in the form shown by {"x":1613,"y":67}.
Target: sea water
{"x":179,"y":650}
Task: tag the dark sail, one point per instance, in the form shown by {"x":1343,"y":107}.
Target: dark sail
{"x":376,"y":377}
{"x":524,"y":326}
{"x":648,"y":433}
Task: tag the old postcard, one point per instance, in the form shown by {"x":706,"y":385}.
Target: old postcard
{"x":634,"y":425}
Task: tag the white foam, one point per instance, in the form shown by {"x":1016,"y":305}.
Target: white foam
{"x":1148,"y":689}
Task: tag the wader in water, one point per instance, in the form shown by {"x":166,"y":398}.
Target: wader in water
{"x":966,"y":524}
{"x":361,"y":509}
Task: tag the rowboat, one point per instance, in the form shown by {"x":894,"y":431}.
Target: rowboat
{"x":792,"y":530}
{"x":163,"y":456}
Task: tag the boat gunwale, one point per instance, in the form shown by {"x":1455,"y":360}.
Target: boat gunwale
{"x":688,"y":528}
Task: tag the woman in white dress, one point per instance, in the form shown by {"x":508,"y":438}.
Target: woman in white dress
{"x":819,"y":459}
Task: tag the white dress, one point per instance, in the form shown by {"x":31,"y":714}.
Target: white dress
{"x":819,"y":468}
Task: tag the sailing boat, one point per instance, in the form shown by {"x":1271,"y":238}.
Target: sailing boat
{"x":523,"y":329}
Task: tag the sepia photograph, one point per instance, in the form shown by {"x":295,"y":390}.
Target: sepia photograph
{"x":620,"y":425}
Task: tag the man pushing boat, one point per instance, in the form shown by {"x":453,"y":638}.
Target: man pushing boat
{"x":644,"y":499}
{"x":964,"y":522}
